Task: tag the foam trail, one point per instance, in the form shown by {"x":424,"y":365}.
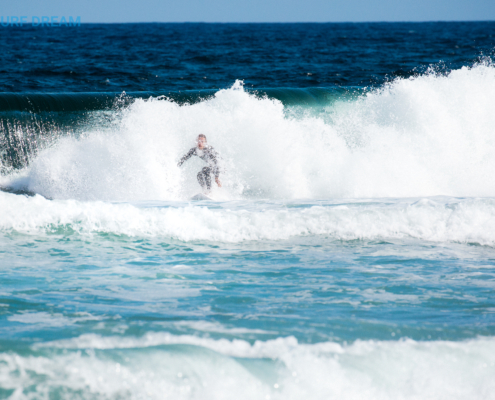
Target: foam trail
{"x":161,"y":365}
{"x":424,"y":136}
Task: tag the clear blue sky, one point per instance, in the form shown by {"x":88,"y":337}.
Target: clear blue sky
{"x":253,"y":10}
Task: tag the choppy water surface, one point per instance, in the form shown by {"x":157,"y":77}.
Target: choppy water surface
{"x":350,"y":253}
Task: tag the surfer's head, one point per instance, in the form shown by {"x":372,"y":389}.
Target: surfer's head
{"x":201,"y":141}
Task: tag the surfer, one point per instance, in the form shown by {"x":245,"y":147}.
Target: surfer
{"x":207,"y":153}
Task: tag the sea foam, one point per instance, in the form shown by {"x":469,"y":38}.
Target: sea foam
{"x":458,"y":220}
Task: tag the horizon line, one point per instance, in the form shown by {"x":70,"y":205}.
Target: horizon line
{"x":277,"y":22}
{"x":291,"y":22}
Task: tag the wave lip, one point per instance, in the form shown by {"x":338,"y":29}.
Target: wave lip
{"x":92,"y":101}
{"x":451,"y":220}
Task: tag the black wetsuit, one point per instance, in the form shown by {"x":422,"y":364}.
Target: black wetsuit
{"x":209,"y":155}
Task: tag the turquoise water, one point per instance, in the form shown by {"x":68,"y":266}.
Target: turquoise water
{"x":326,"y":298}
{"x":313,"y":286}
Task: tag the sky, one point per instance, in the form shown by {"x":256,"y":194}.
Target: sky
{"x":253,"y":10}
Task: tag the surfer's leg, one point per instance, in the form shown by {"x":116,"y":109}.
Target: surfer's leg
{"x":207,"y":172}
{"x":204,"y":178}
{"x":201,"y":179}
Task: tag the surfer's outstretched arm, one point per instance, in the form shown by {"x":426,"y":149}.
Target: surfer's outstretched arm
{"x":187,"y":156}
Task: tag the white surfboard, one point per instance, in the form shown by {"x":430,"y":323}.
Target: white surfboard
{"x":201,"y":196}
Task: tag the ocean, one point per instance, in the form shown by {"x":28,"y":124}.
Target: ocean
{"x":349,"y":254}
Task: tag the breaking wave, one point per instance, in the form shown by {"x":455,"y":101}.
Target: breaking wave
{"x":457,"y":220}
{"x":424,"y":136}
{"x":164,"y":366}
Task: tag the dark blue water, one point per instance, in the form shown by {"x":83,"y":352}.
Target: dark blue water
{"x":173,"y":57}
{"x":349,"y":254}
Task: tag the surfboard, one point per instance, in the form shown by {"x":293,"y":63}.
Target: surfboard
{"x":201,"y":196}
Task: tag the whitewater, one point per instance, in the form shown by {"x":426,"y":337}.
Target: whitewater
{"x":349,"y":253}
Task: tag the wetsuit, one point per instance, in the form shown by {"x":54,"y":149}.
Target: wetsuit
{"x":209,"y":155}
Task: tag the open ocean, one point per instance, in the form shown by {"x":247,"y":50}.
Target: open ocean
{"x":350,"y":253}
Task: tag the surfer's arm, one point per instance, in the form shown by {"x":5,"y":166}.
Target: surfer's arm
{"x":216,"y":168}
{"x":187,"y":156}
